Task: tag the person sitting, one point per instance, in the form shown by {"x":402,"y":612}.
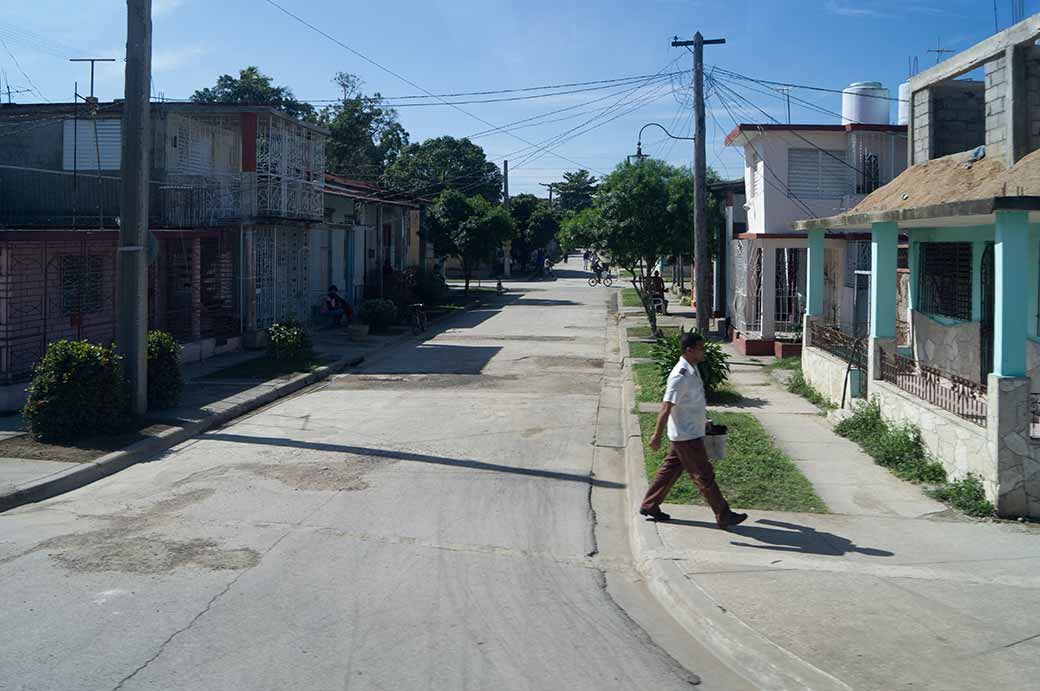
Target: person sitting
{"x":336,"y":307}
{"x":656,"y":290}
{"x":548,"y":267}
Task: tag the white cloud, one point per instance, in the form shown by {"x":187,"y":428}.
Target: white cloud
{"x":163,"y":7}
{"x":168,"y":60}
{"x":847,"y":9}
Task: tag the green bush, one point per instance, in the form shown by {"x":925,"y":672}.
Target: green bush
{"x":797,"y":385}
{"x":378,"y":314}
{"x":714,"y":370}
{"x":77,"y":389}
{"x":896,"y":447}
{"x":164,"y":370}
{"x":965,"y":495}
{"x":288,"y":342}
{"x":427,"y":285}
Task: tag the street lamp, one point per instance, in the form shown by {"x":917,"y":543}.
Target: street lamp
{"x":639,"y":155}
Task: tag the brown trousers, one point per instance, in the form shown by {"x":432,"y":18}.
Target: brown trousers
{"x":691,"y":457}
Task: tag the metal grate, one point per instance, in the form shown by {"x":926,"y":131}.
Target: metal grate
{"x":962,"y":397}
{"x":790,"y":289}
{"x":945,"y":283}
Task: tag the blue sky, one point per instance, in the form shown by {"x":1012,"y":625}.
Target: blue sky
{"x":468,"y":46}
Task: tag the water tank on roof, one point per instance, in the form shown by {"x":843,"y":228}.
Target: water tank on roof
{"x":904,"y":104}
{"x":865,"y":103}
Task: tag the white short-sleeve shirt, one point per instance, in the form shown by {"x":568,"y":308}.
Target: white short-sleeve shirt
{"x":685,"y":391}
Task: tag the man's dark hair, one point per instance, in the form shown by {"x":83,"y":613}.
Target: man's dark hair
{"x":690,"y":340}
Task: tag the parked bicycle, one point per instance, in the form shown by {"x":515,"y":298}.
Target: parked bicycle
{"x":420,"y":322}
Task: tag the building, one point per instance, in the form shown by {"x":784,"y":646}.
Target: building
{"x":968,"y":210}
{"x":793,"y":172}
{"x":233,"y":191}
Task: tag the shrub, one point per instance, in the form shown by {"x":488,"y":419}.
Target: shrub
{"x":965,"y":495}
{"x":797,"y":385}
{"x":77,"y":389}
{"x":164,"y":370}
{"x":896,"y":447}
{"x":714,"y":370}
{"x":288,"y":342}
{"x":378,"y":314}
{"x":427,"y":285}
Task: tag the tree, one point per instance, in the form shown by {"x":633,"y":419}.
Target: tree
{"x":255,"y":89}
{"x":444,"y":163}
{"x":578,"y":230}
{"x":469,"y":228}
{"x":575,"y":192}
{"x":364,"y":137}
{"x":640,"y":213}
{"x":536,"y":225}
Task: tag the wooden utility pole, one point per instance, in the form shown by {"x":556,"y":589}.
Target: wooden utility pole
{"x":700,"y":230}
{"x":506,"y":248}
{"x":133,"y":228}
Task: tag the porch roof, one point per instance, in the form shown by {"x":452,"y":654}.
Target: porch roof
{"x":945,"y":190}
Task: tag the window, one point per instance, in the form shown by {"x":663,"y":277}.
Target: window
{"x":945,"y":283}
{"x":82,"y":151}
{"x":817,"y":174}
{"x":81,"y":279}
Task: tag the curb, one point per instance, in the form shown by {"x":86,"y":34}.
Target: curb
{"x":109,"y":464}
{"x":747,"y":652}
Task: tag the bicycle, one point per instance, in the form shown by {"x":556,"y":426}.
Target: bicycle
{"x":420,"y":322}
{"x":606,"y":280}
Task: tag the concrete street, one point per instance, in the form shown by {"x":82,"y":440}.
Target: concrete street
{"x":450,"y":516}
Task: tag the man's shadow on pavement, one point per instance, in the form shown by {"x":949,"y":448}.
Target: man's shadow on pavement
{"x":794,"y":538}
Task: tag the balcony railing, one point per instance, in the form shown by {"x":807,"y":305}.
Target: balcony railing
{"x":964,"y":398}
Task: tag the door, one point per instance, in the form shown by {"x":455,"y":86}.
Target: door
{"x":986,"y":322}
{"x":861,"y":306}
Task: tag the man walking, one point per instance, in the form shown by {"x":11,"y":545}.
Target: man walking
{"x":684,"y":411}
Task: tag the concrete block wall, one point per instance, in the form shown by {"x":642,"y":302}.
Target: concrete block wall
{"x":1032,"y":95}
{"x":959,"y":111}
{"x":922,"y":131}
{"x":996,"y":105}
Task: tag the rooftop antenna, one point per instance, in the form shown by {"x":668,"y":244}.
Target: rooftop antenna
{"x":1018,"y":11}
{"x":940,"y":51}
{"x":91,"y":102}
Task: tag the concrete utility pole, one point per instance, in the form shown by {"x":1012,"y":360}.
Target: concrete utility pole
{"x":133,"y":228}
{"x":700,"y":230}
{"x":506,"y":246}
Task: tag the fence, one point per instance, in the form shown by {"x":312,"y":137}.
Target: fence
{"x":830,"y":338}
{"x":962,"y":397}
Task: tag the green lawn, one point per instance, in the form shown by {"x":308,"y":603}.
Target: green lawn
{"x":639,"y":349}
{"x":630,"y":298}
{"x":753,"y":475}
{"x":648,"y":383}
{"x":786,"y":363}
{"x":264,"y":368}
{"x":644,"y":331}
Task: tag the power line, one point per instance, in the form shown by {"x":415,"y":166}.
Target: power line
{"x":737,"y":75}
{"x":19,"y":66}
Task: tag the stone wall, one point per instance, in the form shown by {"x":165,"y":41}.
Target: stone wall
{"x":996,"y":103}
{"x":953,"y":349}
{"x":961,"y":446}
{"x":826,"y":373}
{"x":958,"y":109}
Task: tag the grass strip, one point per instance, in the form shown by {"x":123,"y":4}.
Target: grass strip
{"x":755,"y":474}
{"x":644,"y":331}
{"x":630,"y":298}
{"x":639,"y":349}
{"x":797,"y":385}
{"x":787,"y":363}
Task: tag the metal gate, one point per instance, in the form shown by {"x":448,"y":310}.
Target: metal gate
{"x":986,"y":324}
{"x":280,"y":261}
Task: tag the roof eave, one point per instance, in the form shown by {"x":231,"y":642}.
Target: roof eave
{"x":972,"y":207}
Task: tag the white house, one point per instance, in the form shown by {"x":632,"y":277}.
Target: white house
{"x":793,"y":172}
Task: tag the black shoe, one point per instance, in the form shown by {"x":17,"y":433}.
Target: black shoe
{"x":655,"y":514}
{"x":732,"y":519}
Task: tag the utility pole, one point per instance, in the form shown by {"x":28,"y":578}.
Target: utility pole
{"x":133,"y":228}
{"x":507,"y":245}
{"x":700,"y":230}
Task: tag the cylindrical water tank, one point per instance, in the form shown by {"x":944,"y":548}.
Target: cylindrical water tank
{"x":865,"y":103}
{"x":904,"y":104}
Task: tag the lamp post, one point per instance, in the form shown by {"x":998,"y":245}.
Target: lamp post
{"x":639,"y":155}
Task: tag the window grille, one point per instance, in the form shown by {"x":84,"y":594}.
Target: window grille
{"x":857,"y":258}
{"x":869,"y":177}
{"x":945,"y":283}
{"x":81,"y":283}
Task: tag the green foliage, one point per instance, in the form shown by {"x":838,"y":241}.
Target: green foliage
{"x":427,"y":286}
{"x":575,"y":192}
{"x":714,"y":370}
{"x":630,"y":298}
{"x":755,"y":474}
{"x":578,"y":230}
{"x":649,"y":387}
{"x":379,"y":314}
{"x":797,"y":385}
{"x":536,"y":224}
{"x":470,"y":228}
{"x":364,"y":136}
{"x":444,"y":163}
{"x":253,"y":88}
{"x":77,"y":389}
{"x":289,"y":342}
{"x":965,"y":495}
{"x":898,"y":448}
{"x":165,"y":381}
{"x":787,"y":363}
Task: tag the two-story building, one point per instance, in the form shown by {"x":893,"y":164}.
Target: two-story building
{"x":793,"y":172}
{"x":233,"y":191}
{"x":968,"y":210}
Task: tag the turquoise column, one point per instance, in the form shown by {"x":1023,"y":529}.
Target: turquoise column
{"x":814,"y":299}
{"x":1011,"y":266}
{"x":1034,"y":281}
{"x":883,"y":262}
{"x":977,"y":250}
